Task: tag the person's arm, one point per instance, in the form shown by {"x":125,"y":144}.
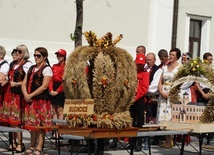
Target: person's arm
{"x":205,"y":96}
{"x":2,"y":77}
{"x":160,"y":85}
{"x":24,"y":88}
{"x":4,"y":71}
{"x":50,"y":87}
{"x":60,"y":88}
{"x":153,"y":87}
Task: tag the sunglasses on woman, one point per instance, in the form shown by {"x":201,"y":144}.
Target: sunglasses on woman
{"x":37,"y":55}
{"x":16,"y":51}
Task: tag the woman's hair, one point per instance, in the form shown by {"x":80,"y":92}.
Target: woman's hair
{"x":24,"y":48}
{"x":206,"y":55}
{"x":187,"y":55}
{"x":44,"y":52}
{"x":178,"y":52}
{"x":2,"y":51}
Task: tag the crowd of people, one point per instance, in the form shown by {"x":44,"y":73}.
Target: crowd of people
{"x":28,"y":93}
{"x":31,"y":94}
{"x":152,"y":104}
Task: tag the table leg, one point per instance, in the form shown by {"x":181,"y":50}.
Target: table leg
{"x":58,"y":142}
{"x":89,"y":146}
{"x":131,"y":145}
{"x":201,"y":136}
{"x":183,"y":144}
{"x":72,"y":146}
{"x":149,"y":146}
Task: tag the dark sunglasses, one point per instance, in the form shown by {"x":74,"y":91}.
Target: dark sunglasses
{"x":16,"y":51}
{"x":37,"y":55}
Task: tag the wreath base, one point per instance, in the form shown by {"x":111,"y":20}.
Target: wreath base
{"x":104,"y":120}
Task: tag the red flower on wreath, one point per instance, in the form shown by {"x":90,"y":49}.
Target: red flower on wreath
{"x":104,"y":81}
{"x":94,"y":117}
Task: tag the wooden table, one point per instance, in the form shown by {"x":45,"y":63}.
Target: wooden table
{"x":94,"y":133}
{"x":199,"y":129}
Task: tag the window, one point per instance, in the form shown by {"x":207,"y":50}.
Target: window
{"x":195,"y":37}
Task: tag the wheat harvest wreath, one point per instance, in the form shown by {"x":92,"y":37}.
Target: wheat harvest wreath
{"x":106,"y":74}
{"x":195,"y":71}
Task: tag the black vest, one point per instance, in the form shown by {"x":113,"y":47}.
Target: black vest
{"x":152,"y":72}
{"x":19,"y":75}
{"x":37,"y":82}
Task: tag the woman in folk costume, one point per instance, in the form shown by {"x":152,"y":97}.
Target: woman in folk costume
{"x":38,"y":111}
{"x":164,"y":106}
{"x":56,"y":85}
{"x":13,"y":99}
{"x":4,"y":68}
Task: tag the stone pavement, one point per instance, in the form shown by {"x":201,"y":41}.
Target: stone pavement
{"x":50,"y":149}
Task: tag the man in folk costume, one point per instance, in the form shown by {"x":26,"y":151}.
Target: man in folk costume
{"x":137,"y":108}
{"x":152,"y":95}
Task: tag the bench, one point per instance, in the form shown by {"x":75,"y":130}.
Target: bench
{"x":4,"y":129}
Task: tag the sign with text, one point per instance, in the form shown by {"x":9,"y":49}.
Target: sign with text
{"x":79,"y":106}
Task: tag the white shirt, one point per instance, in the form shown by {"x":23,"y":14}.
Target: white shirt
{"x":4,"y":68}
{"x":153,"y":87}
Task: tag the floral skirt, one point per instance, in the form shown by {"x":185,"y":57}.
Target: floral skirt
{"x":37,"y":113}
{"x":12,"y":109}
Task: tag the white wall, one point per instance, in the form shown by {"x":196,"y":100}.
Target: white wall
{"x":160,"y":25}
{"x":202,"y":10}
{"x":49,"y":23}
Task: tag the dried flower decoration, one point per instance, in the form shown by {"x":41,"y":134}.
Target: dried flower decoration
{"x":104,"y":42}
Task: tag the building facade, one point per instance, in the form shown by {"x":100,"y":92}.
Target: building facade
{"x":152,"y":23}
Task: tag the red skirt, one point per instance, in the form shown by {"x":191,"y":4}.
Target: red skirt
{"x":12,"y":108}
{"x":37,"y":113}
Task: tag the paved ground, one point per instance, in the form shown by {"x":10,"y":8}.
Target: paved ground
{"x":50,"y":149}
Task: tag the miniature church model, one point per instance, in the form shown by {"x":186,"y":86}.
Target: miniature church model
{"x":186,"y":111}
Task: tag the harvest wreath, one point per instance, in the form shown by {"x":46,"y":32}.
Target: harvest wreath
{"x":196,"y":71}
{"x":106,"y":74}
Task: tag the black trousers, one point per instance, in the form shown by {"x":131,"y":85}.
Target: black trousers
{"x":137,"y":113}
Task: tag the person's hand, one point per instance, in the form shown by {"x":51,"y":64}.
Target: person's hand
{"x":28,"y":98}
{"x":164,"y":95}
{"x":51,"y":93}
{"x":4,"y":82}
{"x":55,"y":93}
{"x":13,"y":84}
